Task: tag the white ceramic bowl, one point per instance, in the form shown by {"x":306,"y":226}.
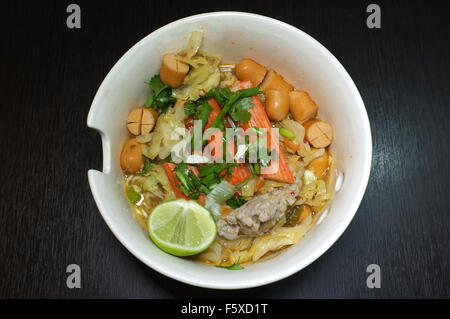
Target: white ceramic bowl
{"x":234,"y":35}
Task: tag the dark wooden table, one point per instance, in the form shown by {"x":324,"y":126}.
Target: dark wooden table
{"x":49,"y":76}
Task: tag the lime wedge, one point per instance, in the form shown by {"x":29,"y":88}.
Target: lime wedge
{"x":181,"y":227}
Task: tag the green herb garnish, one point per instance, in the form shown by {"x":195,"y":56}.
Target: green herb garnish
{"x":239,"y":112}
{"x":146,"y":168}
{"x":236,"y":202}
{"x":160,"y":97}
{"x":231,"y":104}
{"x":189,"y":184}
{"x":258,"y":131}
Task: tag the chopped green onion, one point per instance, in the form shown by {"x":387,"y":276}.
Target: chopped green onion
{"x":286,"y":133}
{"x":182,"y":188}
{"x":132,"y":195}
{"x":183,"y":180}
{"x":258,"y":131}
{"x":234,"y":266}
{"x":257,"y":168}
{"x":211,"y":179}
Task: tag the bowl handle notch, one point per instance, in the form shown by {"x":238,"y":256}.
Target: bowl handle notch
{"x":106,"y":141}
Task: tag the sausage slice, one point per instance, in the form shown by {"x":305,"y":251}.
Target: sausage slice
{"x":134,"y":121}
{"x":131,"y":160}
{"x":302,"y":107}
{"x":277,"y":104}
{"x":149,"y":117}
{"x":274,"y":81}
{"x":173,"y":71}
{"x":141,"y":120}
{"x":248,"y":69}
{"x":318,"y":133}
{"x":319,"y":165}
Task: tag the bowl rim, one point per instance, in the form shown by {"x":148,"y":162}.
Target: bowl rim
{"x":274,"y":276}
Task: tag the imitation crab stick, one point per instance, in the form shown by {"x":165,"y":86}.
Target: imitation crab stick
{"x":214,"y":112}
{"x":173,"y":180}
{"x":240,"y":174}
{"x":240,"y":85}
{"x":259,"y":119}
{"x":215,"y":141}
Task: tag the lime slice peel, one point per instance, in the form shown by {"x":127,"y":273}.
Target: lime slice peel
{"x":181,"y":227}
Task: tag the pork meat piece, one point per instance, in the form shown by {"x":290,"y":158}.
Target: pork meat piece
{"x":259,"y":214}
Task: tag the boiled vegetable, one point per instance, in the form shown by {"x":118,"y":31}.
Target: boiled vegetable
{"x":291,"y":145}
{"x":168,"y":132}
{"x":195,"y":41}
{"x":297,"y":214}
{"x":219,"y":195}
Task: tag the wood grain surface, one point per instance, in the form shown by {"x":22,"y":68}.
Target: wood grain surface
{"x":50,"y":74}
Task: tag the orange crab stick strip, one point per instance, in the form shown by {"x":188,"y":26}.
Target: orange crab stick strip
{"x":214,"y":112}
{"x":215,"y":142}
{"x":240,"y":174}
{"x":260,"y":119}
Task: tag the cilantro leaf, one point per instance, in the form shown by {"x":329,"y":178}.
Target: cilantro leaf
{"x":232,"y":104}
{"x":150,"y":99}
{"x":157,"y":85}
{"x":190,"y":108}
{"x":160,"y":97}
{"x":239,"y":110}
{"x":200,"y":109}
{"x":164,"y":100}
{"x":220,"y":95}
